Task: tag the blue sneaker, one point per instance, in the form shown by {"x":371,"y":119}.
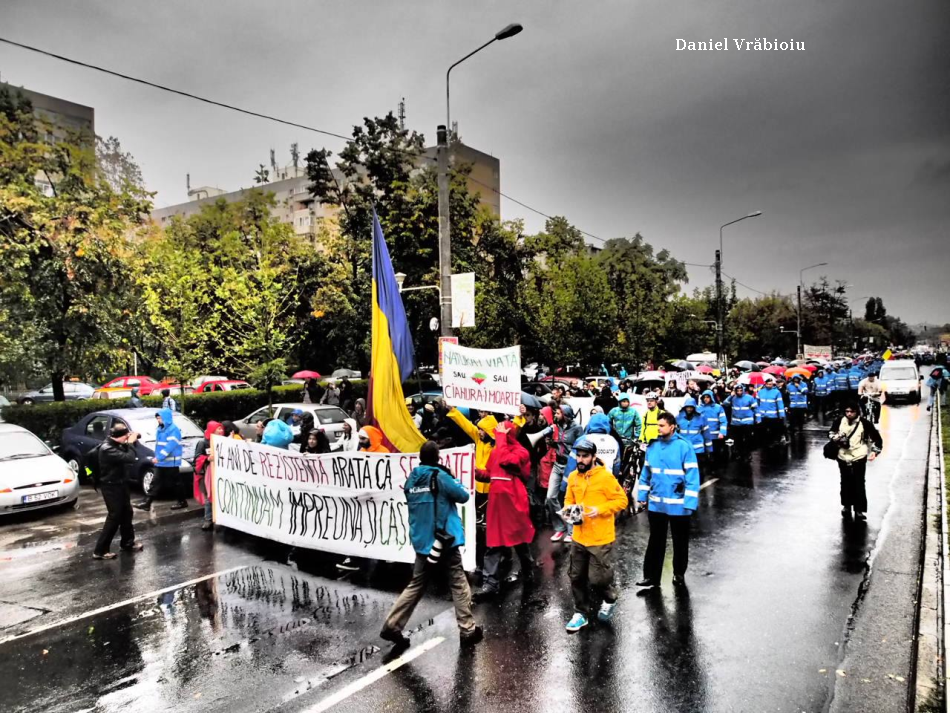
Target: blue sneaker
{"x":606,"y":611}
{"x":577,"y":622}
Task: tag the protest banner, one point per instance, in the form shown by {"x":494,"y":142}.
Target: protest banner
{"x":483,"y":379}
{"x":812,"y":352}
{"x":349,"y":503}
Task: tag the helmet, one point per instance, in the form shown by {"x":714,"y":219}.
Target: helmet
{"x":585,"y":444}
{"x":652,"y":396}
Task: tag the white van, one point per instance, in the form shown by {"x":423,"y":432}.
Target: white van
{"x":901,"y":380}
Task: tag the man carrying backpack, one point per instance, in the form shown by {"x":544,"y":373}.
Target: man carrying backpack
{"x":109,"y":461}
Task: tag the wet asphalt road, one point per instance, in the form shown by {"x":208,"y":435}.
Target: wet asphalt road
{"x":788,"y":608}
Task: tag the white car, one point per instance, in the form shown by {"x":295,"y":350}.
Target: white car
{"x":31,"y":475}
{"x":329,"y":418}
{"x":901,"y":380}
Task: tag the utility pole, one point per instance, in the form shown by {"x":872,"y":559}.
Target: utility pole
{"x":799,"y":288}
{"x":445,"y":235}
{"x":719,"y":353}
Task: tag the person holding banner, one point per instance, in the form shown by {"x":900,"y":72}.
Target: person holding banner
{"x":437,"y":533}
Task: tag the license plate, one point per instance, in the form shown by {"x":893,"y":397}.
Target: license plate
{"x":38,"y":497}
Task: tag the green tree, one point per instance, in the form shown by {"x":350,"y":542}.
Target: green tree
{"x":825,"y":313}
{"x":64,"y":250}
{"x":755,"y":327}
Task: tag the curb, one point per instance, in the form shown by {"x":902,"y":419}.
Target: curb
{"x":929,"y":692}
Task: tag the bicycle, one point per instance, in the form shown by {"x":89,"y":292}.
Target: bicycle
{"x":634,"y":455}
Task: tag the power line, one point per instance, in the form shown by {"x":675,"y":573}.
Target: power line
{"x":746,"y":286}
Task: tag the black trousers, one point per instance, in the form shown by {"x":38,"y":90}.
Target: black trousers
{"x":169,"y":479}
{"x":820,"y":406}
{"x":742,"y":435}
{"x":118,"y":519}
{"x":853,"y":493}
{"x":796,"y":418}
{"x":497,"y":558}
{"x":656,"y":547}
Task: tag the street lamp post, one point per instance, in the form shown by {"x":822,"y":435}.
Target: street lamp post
{"x":801,"y":288}
{"x":719,"y":306}
{"x":445,"y":228}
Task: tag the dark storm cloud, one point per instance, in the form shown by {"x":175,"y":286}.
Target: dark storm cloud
{"x":844,"y":146}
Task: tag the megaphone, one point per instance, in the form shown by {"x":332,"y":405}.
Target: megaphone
{"x":535,"y":438}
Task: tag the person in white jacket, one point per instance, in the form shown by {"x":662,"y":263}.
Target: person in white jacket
{"x":350,"y":441}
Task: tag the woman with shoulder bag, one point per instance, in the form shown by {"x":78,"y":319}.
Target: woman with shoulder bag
{"x":857,"y":441}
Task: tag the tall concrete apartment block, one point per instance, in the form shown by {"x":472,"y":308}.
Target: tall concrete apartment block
{"x":295,"y":205}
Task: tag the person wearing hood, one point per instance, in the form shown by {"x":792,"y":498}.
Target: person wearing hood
{"x":134,"y":400}
{"x":744,"y":409}
{"x":600,"y":497}
{"x":316,"y":443}
{"x":530,"y":423}
{"x":670,"y":482}
{"x":359,"y":413}
{"x":625,"y":419}
{"x":564,"y":432}
{"x":433,"y":495}
{"x":797,"y":403}
{"x":771,"y":412}
{"x":306,"y":426}
{"x":167,"y":461}
{"x":692,"y":426}
{"x":277,"y":434}
{"x":508,"y":522}
{"x":609,"y":447}
{"x":349,"y":441}
{"x":371,"y":440}
{"x":650,"y":428}
{"x":202,"y":481}
{"x":841,"y":386}
{"x":820,"y":394}
{"x":858,"y":443}
{"x":714,"y":418}
{"x":481,"y":434}
{"x":606,"y":399}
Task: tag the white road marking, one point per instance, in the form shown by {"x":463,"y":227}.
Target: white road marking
{"x":708,"y":483}
{"x":117,"y":605}
{"x":371,"y":678}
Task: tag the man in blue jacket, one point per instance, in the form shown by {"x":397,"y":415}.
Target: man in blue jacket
{"x":744,"y":408}
{"x":771,"y":412}
{"x":433,"y":493}
{"x":167,"y":462}
{"x":820,"y":394}
{"x":841,"y":386}
{"x":692,"y":426}
{"x":797,"y":403}
{"x":670,"y":482}
{"x":714,"y":418}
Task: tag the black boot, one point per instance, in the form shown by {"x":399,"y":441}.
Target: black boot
{"x":145,"y":505}
{"x":180,"y":505}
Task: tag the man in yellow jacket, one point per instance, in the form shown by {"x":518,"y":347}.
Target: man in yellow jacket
{"x":593,"y":498}
{"x":651,"y":422}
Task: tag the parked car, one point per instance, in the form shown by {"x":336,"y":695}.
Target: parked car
{"x":156,"y":389}
{"x":3,"y":403}
{"x":198,"y":382}
{"x":92,"y":429}
{"x":73,"y":390}
{"x":225,"y":385}
{"x":348,"y":373}
{"x":901,"y":380}
{"x":330,"y":418}
{"x":128,"y":382}
{"x":31,"y":475}
{"x":112,"y":392}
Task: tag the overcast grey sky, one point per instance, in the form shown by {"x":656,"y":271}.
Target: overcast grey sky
{"x":594,"y":114}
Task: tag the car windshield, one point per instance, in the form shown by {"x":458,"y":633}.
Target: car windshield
{"x":330,"y":415}
{"x":904,"y":373}
{"x":148,"y":427}
{"x":16,"y":445}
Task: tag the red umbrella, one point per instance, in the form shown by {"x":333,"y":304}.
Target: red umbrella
{"x":755,"y":378}
{"x":811,"y":367}
{"x":775,"y":370}
{"x":705,"y":369}
{"x":305,"y":374}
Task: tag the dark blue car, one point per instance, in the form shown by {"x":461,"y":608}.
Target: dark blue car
{"x":93,"y":428}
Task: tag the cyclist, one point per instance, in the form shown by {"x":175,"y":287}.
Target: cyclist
{"x":872,"y":394}
{"x":625,"y":421}
{"x":651,"y":430}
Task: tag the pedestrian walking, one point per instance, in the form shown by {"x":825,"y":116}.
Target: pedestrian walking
{"x":346,"y":394}
{"x":821,"y":394}
{"x":116,"y":452}
{"x":168,"y":402}
{"x":858,"y":442}
{"x":771,"y":413}
{"x":134,"y":400}
{"x":564,"y":432}
{"x":593,"y":498}
{"x":669,"y":483}
{"x":331,"y":397}
{"x":797,"y":403}
{"x":714,"y":419}
{"x":202,"y":483}
{"x":692,"y":426}
{"x":167,"y":462}
{"x":744,"y":408}
{"x":313,"y":390}
{"x":436,"y":532}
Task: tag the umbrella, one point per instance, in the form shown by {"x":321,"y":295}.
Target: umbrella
{"x":779,"y":362}
{"x":680,"y":365}
{"x":756,"y":378}
{"x":747,"y":366}
{"x":705,"y":369}
{"x":804,"y":373}
{"x":811,"y":367}
{"x":531,"y":401}
{"x":305,"y":374}
{"x":762,"y":363}
{"x":775,"y":370}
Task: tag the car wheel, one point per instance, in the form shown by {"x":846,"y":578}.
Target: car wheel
{"x":27,"y":402}
{"x":75,"y":465}
{"x":148,"y":482}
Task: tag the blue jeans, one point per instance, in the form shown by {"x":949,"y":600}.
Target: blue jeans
{"x":553,"y":500}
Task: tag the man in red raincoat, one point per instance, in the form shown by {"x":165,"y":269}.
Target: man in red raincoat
{"x":509,"y":514}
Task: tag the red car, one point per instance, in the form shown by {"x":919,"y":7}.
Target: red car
{"x":155,"y":389}
{"x":223,"y":385}
{"x":127,"y":382}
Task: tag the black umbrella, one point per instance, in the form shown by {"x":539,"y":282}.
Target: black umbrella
{"x":747,"y":366}
{"x":531,"y":401}
{"x":681,"y":365}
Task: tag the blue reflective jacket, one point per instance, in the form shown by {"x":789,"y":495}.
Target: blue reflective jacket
{"x":167,"y":442}
{"x":855,"y":374}
{"x":669,"y":480}
{"x":797,"y":395}
{"x":743,"y":409}
{"x":714,"y":417}
{"x":424,"y":520}
{"x":821,"y":384}
{"x":841,"y":380}
{"x":692,"y":429}
{"x":771,"y":404}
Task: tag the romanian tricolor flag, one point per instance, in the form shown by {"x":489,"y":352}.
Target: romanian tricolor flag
{"x":393,"y":358}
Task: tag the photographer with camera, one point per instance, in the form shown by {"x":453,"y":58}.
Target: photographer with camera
{"x":856,"y":441}
{"x":110,"y":461}
{"x":436,"y":531}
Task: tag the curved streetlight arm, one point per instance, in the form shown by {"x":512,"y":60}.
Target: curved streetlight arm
{"x":448,"y":116}
{"x":756,"y":214}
